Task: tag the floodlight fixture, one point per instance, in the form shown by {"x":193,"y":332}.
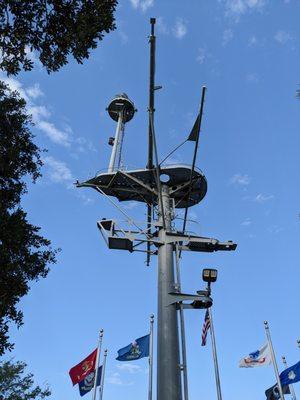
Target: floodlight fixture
{"x":209,"y":275}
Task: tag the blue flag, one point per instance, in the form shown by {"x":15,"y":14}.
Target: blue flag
{"x":290,"y":375}
{"x":87,"y":384}
{"x":136,"y":350}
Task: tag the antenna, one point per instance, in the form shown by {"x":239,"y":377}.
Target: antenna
{"x":167,"y":187}
{"x":121,"y":110}
{"x":152,"y":41}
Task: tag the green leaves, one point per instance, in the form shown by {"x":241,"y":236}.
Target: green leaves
{"x":24,"y":254}
{"x":53,"y":29}
{"x":14,"y":385}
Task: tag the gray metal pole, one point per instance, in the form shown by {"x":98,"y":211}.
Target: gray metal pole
{"x":273,"y":359}
{"x":290,"y":386}
{"x":117,"y":143}
{"x":215,"y":356}
{"x":102,"y":376}
{"x":168,"y":361}
{"x":182,"y":331}
{"x":97,"y":363}
{"x":151,"y":359}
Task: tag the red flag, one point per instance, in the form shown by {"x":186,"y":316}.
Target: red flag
{"x":81,"y":370}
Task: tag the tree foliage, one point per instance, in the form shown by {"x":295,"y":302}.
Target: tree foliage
{"x":24,"y":254}
{"x":53,"y":29}
{"x":14,"y":385}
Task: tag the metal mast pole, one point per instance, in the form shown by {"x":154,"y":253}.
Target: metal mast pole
{"x":182,"y":331}
{"x":274,"y":360}
{"x":151,"y":359}
{"x":290,"y":386}
{"x":117,"y":143}
{"x":97,"y":363}
{"x":102,"y":376}
{"x":151,"y":110}
{"x":168,"y":360}
{"x":215,"y":356}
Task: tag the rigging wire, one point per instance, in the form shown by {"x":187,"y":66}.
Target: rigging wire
{"x":173,"y":151}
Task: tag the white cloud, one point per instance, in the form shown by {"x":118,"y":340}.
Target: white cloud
{"x":55,"y":135}
{"x":58,"y":171}
{"x":252,"y":41}
{"x":262,"y":198}
{"x":143,"y":5}
{"x":274,"y":229}
{"x":251,"y":77}
{"x":162,"y":26}
{"x":283,"y":37}
{"x":227,"y":36}
{"x":32,"y":56}
{"x":180,"y":28}
{"x":237,"y":8}
{"x":34,"y":91}
{"x":240,"y":179}
{"x":131,"y":368}
{"x":246,"y":222}
{"x":15,"y":85}
{"x":202,"y":55}
{"x":115,"y":379}
{"x":38,"y":112}
{"x":41,"y":114}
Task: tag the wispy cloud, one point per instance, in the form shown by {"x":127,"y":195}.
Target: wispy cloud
{"x":142,"y":5}
{"x":240,"y":179}
{"x":115,"y":379}
{"x":252,"y":41}
{"x":34,"y":91}
{"x":41,"y":116}
{"x":162,"y":26}
{"x":246,"y":222}
{"x":252,"y":78}
{"x":56,"y":135}
{"x":227,"y":36}
{"x":283,"y":37}
{"x":180,"y":28}
{"x":131,"y":368}
{"x":263,"y":198}
{"x":58,"y":172}
{"x":274,"y":229}
{"x":237,"y":8}
{"x":203,"y":55}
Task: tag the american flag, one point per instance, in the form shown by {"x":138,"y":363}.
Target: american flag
{"x":205,"y":328}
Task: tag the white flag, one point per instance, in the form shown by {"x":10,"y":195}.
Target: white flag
{"x":257,"y":358}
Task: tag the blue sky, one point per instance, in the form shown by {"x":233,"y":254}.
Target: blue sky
{"x":247,"y":54}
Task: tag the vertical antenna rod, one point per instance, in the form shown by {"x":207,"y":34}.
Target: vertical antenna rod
{"x":150,"y":130}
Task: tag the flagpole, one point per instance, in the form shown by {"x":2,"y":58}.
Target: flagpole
{"x":151,"y":358}
{"x":267,"y":329}
{"x":182,"y":330}
{"x":215,"y":356}
{"x":97,"y":363}
{"x":290,"y":386}
{"x":101,"y":387}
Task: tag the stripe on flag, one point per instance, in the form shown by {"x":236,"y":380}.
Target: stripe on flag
{"x":205,"y":328}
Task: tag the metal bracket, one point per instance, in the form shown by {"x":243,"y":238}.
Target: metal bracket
{"x":200,"y":300}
